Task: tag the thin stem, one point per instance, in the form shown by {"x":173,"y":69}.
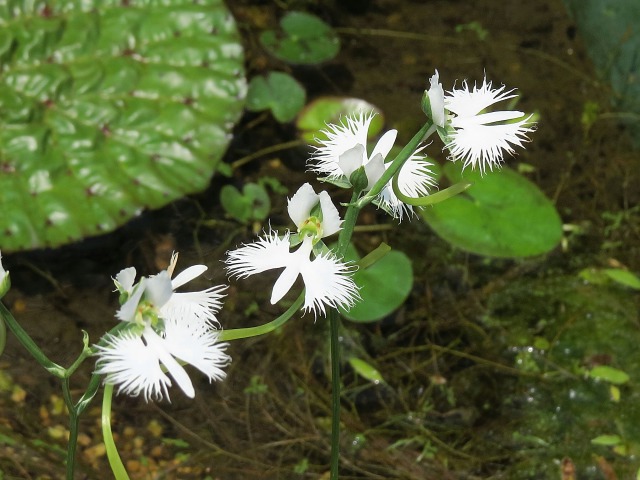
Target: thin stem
{"x":397,"y":163}
{"x":433,"y":198}
{"x":237,"y":333}
{"x":3,"y":335}
{"x":350,"y":219}
{"x":334,"y":325}
{"x":74,"y":420}
{"x":24,"y":338}
{"x":117,"y":467}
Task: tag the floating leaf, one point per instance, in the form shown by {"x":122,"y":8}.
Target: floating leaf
{"x":609,"y":374}
{"x":110,"y":107}
{"x":317,"y":114}
{"x":366,"y":370}
{"x":383,"y":287}
{"x":278,"y":92}
{"x":303,"y":39}
{"x":502,"y":215}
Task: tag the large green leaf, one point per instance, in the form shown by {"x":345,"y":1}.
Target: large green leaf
{"x":611,"y":34}
{"x":110,"y":107}
{"x":502,"y":215}
{"x":384,"y":286}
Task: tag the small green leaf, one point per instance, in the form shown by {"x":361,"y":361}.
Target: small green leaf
{"x":606,"y":440}
{"x":383,"y":287}
{"x":623,"y":277}
{"x":366,"y":370}
{"x":501,"y":215}
{"x":324,"y":110}
{"x":252,"y":204}
{"x":302,"y":39}
{"x":279,"y":92}
{"x":609,"y":374}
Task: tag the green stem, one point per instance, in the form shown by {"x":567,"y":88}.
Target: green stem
{"x":350,"y":219}
{"x":24,"y":338}
{"x":373,"y":256}
{"x":74,"y":420}
{"x":89,"y":393}
{"x":433,"y":198}
{"x":397,"y":163}
{"x":119,"y":472}
{"x":334,"y":325}
{"x":3,"y":335}
{"x":237,"y":333}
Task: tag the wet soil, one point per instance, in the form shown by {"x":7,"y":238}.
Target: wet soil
{"x":459,"y":382}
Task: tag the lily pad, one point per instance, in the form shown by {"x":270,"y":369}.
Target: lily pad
{"x":302,"y":39}
{"x":502,"y":215}
{"x":278,"y":92}
{"x":324,"y":110}
{"x":108,"y":108}
{"x":384,"y":286}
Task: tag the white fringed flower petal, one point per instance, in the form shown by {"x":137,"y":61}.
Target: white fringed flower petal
{"x":415,"y":179}
{"x":130,"y":364}
{"x":480,"y":139}
{"x":327,"y":281}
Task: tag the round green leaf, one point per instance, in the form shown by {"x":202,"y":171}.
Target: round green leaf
{"x":502,"y":215}
{"x":279,"y":92}
{"x":108,"y":108}
{"x":302,"y":39}
{"x":384,"y":286}
{"x":324,"y":110}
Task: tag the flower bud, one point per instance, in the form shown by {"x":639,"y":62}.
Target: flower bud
{"x":5,"y":281}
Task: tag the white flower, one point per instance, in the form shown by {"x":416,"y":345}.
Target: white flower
{"x":327,"y":280}
{"x":477,"y":138}
{"x":414,"y":180}
{"x":345,"y":150}
{"x":166,"y":328}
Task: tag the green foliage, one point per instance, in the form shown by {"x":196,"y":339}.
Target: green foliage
{"x":609,"y":374}
{"x":366,"y":370}
{"x":252,"y":204}
{"x":302,"y":39}
{"x":278,"y":92}
{"x":611,"y":33}
{"x":574,"y":393}
{"x":256,"y":386}
{"x":623,"y":277}
{"x":384,"y":286}
{"x":317,"y":114}
{"x":107,"y":108}
{"x":501,"y":215}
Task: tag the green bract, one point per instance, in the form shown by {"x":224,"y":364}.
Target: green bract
{"x":107,"y":108}
{"x":303,"y":39}
{"x":502,"y":215}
